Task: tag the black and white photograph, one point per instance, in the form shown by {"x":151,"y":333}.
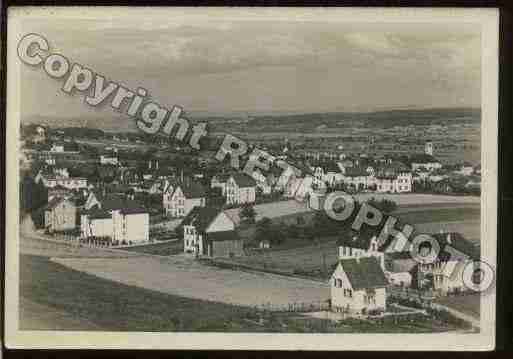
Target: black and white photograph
{"x":251,"y":178}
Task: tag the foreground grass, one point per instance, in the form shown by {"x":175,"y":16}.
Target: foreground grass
{"x":161,"y":249}
{"x":116,"y":307}
{"x":469,"y":304}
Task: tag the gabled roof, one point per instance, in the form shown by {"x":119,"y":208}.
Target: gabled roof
{"x":54,"y":202}
{"x":118,"y":202}
{"x":135,"y":210}
{"x":192,"y":189}
{"x":356,"y":172}
{"x":364,"y":273}
{"x":243,"y":180}
{"x":222,"y":178}
{"x":362,"y":239}
{"x":98,"y":214}
{"x":223,"y":236}
{"x":200,"y":217}
{"x":331,"y":167}
{"x":58,"y":188}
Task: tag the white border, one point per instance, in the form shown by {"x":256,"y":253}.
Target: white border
{"x":485,"y":340}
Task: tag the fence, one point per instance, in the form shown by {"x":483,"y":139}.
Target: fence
{"x":409,"y":293}
{"x":295,"y":307}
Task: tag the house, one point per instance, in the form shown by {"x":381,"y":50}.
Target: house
{"x":316,"y":200}
{"x":432,"y":276}
{"x":60,"y":215}
{"x":394,"y":177}
{"x":40,"y":135}
{"x":109,"y":158}
{"x":210,"y":232}
{"x":361,"y":245}
{"x":399,"y":183}
{"x":400,"y":268}
{"x":262,"y":182}
{"x":93,"y":199}
{"x":358,"y":286}
{"x":357,"y":178}
{"x":332,"y":174}
{"x":438,"y":175}
{"x":466,"y":169}
{"x":184,"y":197}
{"x":240,"y":188}
{"x":57,"y":147}
{"x":122,"y":220}
{"x":424,"y":160}
{"x":51,"y":181}
{"x":219,"y":181}
{"x":58,"y":191}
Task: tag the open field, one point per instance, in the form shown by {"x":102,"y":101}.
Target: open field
{"x":39,"y":247}
{"x":64,"y":299}
{"x":432,"y":215}
{"x":465,"y":220}
{"x":181,"y":275}
{"x":407,"y":199}
{"x":35,"y":316}
{"x":55,"y":297}
{"x":316,"y":260}
{"x":467,"y":304}
{"x":162,"y":249}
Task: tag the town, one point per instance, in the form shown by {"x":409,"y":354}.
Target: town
{"x":146,"y":194}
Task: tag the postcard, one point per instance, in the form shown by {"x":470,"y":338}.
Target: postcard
{"x":251,"y":178}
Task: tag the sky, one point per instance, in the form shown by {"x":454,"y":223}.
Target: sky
{"x":249,"y":67}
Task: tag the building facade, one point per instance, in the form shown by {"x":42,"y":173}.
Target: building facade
{"x":60,"y":215}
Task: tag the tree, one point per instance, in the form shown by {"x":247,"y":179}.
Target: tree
{"x":248,"y":213}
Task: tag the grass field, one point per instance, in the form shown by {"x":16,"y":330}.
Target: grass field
{"x":54,"y":297}
{"x":468,"y":304}
{"x":315,"y":260}
{"x":429,"y":215}
{"x":465,"y":220}
{"x":184,"y":276}
{"x":89,"y":302}
{"x":413,"y":199}
{"x":162,"y":249}
{"x":44,"y":248}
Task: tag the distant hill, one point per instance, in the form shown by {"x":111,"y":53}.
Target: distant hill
{"x":383,"y":119}
{"x":283,"y":122}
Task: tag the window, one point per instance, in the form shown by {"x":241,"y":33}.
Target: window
{"x":338,"y":283}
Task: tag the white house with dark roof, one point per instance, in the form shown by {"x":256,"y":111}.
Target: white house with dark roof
{"x":426,"y":161}
{"x":240,"y":188}
{"x":183,"y":198}
{"x":358,"y":285}
{"x":395,"y":178}
{"x":210,"y":232}
{"x":116,"y":217}
{"x":60,"y":214}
